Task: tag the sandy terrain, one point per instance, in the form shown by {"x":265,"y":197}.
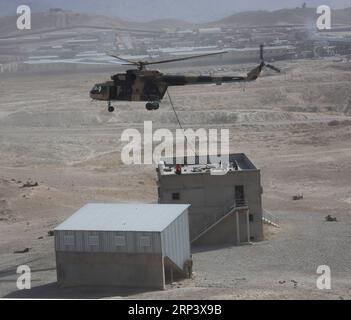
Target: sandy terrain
{"x":294,"y":126}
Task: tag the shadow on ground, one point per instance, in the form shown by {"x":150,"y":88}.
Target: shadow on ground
{"x":53,"y":291}
{"x":198,"y":248}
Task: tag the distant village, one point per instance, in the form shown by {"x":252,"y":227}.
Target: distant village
{"x":63,"y":46}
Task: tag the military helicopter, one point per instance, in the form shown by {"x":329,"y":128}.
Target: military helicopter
{"x":150,"y":86}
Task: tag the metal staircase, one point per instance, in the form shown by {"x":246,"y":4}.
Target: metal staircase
{"x":270,"y":219}
{"x":239,"y":204}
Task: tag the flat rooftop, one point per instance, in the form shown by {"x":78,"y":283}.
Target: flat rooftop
{"x":201,"y":165}
{"x":123,"y":217}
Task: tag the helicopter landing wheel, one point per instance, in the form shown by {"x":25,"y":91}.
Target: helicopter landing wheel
{"x":152,"y":106}
{"x":110,"y":108}
{"x":149,"y":106}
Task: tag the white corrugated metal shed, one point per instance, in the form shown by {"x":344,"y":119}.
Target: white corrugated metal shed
{"x":123,"y":217}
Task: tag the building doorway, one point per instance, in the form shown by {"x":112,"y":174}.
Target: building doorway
{"x":239,"y":196}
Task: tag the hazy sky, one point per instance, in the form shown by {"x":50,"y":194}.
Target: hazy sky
{"x":145,"y":10}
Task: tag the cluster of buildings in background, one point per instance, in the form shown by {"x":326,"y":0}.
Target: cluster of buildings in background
{"x":64,"y":45}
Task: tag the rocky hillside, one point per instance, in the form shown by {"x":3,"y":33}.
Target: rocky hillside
{"x":296,"y":16}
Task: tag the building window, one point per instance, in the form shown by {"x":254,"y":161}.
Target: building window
{"x":93,"y":240}
{"x":176,"y":196}
{"x":68,"y":240}
{"x":120,"y":241}
{"x":251,"y":218}
{"x":145,"y":242}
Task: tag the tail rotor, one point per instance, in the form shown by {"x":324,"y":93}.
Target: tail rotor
{"x":261,"y":53}
{"x":264,"y":64}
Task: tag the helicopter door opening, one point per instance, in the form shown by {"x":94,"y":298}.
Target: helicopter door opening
{"x":122,"y":92}
{"x":112,"y":92}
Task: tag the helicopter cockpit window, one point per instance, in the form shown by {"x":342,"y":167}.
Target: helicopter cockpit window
{"x":97,"y":89}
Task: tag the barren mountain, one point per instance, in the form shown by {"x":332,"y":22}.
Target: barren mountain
{"x":58,"y":19}
{"x":197,"y":11}
{"x":298,"y":16}
{"x":55,"y":20}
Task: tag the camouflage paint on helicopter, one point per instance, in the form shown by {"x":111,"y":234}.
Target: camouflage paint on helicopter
{"x":151,"y":85}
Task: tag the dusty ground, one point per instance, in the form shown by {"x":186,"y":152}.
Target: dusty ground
{"x":294,"y":126}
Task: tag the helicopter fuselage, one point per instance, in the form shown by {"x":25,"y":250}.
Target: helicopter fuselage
{"x":134,"y":85}
{"x":150,"y":85}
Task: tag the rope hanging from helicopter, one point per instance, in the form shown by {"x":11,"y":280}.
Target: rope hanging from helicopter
{"x":180,"y":125}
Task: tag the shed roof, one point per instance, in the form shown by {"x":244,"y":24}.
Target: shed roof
{"x":123,"y":217}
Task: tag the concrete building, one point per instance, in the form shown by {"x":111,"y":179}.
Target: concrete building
{"x":127,"y":245}
{"x":225,"y":199}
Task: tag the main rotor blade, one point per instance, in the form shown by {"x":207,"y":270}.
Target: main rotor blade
{"x":273,"y":68}
{"x":125,"y":60}
{"x":185,"y":58}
